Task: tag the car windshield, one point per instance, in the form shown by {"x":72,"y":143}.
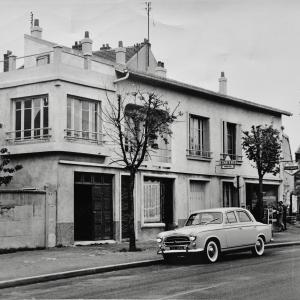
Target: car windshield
{"x":204,"y":218}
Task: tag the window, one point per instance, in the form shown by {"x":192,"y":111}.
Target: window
{"x":231,"y":218}
{"x":243,"y":216}
{"x":43,"y":60}
{"x":198,"y":137}
{"x":230,"y":195}
{"x":204,"y":218}
{"x":159,"y":146}
{"x":83,"y":120}
{"x":231,"y":141}
{"x":152,"y":207}
{"x":31,"y":118}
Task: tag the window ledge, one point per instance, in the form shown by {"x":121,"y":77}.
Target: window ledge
{"x":153,"y":225}
{"x":194,"y":157}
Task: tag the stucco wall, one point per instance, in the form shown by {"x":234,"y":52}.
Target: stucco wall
{"x":22,"y":219}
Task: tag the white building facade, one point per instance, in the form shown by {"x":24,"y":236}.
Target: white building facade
{"x":52,"y":103}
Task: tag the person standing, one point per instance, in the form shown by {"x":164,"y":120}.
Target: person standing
{"x":280,"y":216}
{"x":284,"y":213}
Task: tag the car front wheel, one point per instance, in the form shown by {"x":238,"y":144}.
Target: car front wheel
{"x":259,"y":248}
{"x":211,"y":251}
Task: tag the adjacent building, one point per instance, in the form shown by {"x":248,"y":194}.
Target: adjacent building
{"x":51,"y":114}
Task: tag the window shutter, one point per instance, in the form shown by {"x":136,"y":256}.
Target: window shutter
{"x":206,"y":142}
{"x":239,"y":139}
{"x":224,"y":137}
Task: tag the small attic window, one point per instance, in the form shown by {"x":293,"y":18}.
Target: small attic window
{"x":43,"y":60}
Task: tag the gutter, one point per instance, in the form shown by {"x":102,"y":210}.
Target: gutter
{"x":122,"y":78}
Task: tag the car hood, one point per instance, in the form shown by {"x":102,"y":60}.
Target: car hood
{"x":189,"y":230}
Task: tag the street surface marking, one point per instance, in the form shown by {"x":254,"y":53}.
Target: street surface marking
{"x":192,"y":291}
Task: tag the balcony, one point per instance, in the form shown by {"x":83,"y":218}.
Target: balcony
{"x":35,"y":135}
{"x":83,"y":136}
{"x":198,"y":154}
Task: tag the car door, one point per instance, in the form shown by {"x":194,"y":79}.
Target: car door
{"x":248,"y":228}
{"x":232,"y":230}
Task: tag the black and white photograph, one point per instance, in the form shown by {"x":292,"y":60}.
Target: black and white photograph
{"x":150,"y":149}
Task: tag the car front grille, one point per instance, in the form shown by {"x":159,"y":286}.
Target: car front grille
{"x":177,"y":241}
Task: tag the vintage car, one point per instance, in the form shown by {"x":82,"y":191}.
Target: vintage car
{"x":215,"y":231}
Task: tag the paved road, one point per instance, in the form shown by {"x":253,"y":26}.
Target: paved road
{"x":276,"y":275}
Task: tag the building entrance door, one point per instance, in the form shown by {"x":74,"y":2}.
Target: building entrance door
{"x":93,"y":209}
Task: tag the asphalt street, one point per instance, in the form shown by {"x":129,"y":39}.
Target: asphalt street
{"x":276,"y":275}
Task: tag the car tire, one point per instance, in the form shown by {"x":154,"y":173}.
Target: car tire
{"x":259,"y":248}
{"x":212,"y":251}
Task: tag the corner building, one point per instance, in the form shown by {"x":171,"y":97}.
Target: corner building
{"x":52,"y":103}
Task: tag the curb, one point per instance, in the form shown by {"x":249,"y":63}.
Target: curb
{"x":75,"y":273}
{"x":98,"y":270}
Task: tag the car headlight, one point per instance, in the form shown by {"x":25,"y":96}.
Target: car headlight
{"x":192,"y":238}
{"x":159,"y":240}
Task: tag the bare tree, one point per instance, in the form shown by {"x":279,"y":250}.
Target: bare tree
{"x":6,"y":171}
{"x":262,"y":146}
{"x":134,"y":122}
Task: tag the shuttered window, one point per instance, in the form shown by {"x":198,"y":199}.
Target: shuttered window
{"x":231,"y":141}
{"x":198,"y":136}
{"x":152,"y":203}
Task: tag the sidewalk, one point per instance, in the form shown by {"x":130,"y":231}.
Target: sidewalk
{"x":48,"y":264}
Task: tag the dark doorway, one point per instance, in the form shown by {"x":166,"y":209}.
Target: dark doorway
{"x":93,"y":210}
{"x":166,"y":188}
{"x":125,"y":211}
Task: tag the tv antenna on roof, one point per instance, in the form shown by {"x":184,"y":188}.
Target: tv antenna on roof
{"x":31,"y":18}
{"x":148,"y":8}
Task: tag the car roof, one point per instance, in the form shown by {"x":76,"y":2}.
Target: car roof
{"x":219,"y":209}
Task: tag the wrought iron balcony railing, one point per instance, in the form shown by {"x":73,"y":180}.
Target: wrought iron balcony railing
{"x":29,"y":135}
{"x":95,"y":137}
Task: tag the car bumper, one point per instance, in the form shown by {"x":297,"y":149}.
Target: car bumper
{"x":184,"y":251}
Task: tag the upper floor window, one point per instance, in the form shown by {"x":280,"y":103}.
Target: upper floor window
{"x":83,"y":121}
{"x":231,"y":141}
{"x":159,"y":146}
{"x":31,"y":118}
{"x":43,"y":60}
{"x":198,"y":137}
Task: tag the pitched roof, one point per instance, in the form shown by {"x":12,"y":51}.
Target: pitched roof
{"x":174,"y":84}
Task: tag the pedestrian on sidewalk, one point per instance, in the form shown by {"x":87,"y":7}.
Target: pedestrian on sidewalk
{"x":280,"y":216}
{"x":285,"y":208}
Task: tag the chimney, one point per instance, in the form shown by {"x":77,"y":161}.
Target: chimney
{"x":86,"y":44}
{"x":223,"y":84}
{"x":160,"y":69}
{"x":36,"y":30}
{"x":120,"y":54}
{"x":6,"y":60}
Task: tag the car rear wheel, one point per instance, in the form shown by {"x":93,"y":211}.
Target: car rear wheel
{"x":259,"y":248}
{"x":212,"y":251}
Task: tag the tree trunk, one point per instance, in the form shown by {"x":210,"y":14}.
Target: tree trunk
{"x":132,"y":241}
{"x":260,"y":206}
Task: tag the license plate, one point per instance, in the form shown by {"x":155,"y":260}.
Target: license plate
{"x":177,"y":248}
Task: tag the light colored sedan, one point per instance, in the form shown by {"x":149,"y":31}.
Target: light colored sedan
{"x":215,"y":231}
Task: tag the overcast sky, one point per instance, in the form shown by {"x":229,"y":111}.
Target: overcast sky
{"x":256,"y":42}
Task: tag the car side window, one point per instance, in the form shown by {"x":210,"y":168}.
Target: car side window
{"x":243,"y":216}
{"x":230,"y":217}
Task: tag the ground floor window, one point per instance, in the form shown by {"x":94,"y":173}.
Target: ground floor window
{"x":230,"y":195}
{"x":152,"y":203}
{"x":158,"y":201}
